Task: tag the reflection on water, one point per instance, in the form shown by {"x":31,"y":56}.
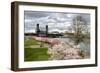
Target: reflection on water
{"x":85,"y":45}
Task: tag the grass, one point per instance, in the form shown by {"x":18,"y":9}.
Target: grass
{"x":36,"y":54}
{"x":30,"y":41}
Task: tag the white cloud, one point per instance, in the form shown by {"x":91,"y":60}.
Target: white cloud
{"x":69,"y":15}
{"x":50,"y":21}
{"x":28,"y":20}
{"x":59,"y":21}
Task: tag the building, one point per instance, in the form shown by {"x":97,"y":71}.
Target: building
{"x":43,"y":33}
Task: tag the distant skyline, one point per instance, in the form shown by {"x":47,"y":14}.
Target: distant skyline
{"x":55,"y":20}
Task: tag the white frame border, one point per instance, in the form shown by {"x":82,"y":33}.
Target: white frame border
{"x":34,"y":64}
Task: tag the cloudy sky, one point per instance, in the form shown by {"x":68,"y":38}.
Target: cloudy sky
{"x":54,"y":20}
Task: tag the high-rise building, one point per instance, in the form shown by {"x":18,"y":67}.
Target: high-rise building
{"x":46,"y":30}
{"x":37,"y":29}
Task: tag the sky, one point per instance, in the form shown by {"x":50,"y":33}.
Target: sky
{"x":55,"y":20}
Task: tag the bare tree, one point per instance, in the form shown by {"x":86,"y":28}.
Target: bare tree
{"x":80,"y":28}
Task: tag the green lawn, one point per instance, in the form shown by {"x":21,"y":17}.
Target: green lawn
{"x":36,"y":54}
{"x":30,"y":41}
